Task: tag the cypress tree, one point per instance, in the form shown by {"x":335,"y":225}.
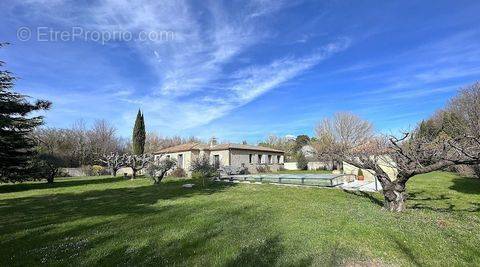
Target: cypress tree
{"x":17,"y":148}
{"x":138,"y":137}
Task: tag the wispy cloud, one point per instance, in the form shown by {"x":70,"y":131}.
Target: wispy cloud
{"x":239,"y":89}
{"x":201,"y":77}
{"x":226,"y":56}
{"x":204,"y":72}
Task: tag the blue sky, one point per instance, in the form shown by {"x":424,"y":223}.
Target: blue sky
{"x":241,"y":70}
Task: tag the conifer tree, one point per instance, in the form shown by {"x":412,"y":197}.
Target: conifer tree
{"x":138,"y":137}
{"x":16,"y":126}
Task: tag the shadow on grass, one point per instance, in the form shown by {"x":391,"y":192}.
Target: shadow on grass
{"x":265,"y":253}
{"x":65,"y":182}
{"x":403,"y":246}
{"x":415,"y":195}
{"x":466,"y":185}
{"x":369,"y":196}
{"x":439,"y":203}
{"x":71,"y":228}
{"x":451,"y":207}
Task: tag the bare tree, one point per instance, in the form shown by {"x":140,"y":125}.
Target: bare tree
{"x":466,"y":107}
{"x":345,"y":131}
{"x":102,"y":139}
{"x":114,"y":162}
{"x":463,"y":114}
{"x":81,"y":146}
{"x":352,"y":140}
{"x":79,"y":139}
{"x":137,"y":162}
{"x":53,"y":147}
{"x":153,"y":143}
{"x":280,"y":143}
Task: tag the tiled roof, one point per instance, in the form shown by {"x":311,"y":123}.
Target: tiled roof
{"x":244,"y":147}
{"x":182,"y":147}
{"x":199,"y":146}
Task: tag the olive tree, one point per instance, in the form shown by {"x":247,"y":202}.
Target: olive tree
{"x":114,"y":162}
{"x":157,"y":169}
{"x":137,"y":162}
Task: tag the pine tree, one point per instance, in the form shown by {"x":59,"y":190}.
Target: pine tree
{"x":16,"y":126}
{"x":138,"y":137}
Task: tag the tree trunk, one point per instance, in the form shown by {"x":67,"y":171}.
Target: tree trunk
{"x":50,"y":179}
{"x":395,"y":197}
{"x":134,"y":173}
{"x":114,"y":173}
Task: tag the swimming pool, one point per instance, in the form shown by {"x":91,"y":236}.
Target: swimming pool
{"x":329,"y":180}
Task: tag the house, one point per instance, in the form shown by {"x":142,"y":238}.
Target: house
{"x":235,"y":155}
{"x":384,"y":162}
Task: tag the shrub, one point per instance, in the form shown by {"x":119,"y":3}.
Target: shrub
{"x":203,"y":167}
{"x":178,"y":172}
{"x":47,"y":166}
{"x":263,"y":169}
{"x":98,"y":170}
{"x":360,"y":172}
{"x":302,"y":162}
{"x":197,"y":175}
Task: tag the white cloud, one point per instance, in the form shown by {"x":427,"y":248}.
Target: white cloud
{"x":242,"y":87}
{"x":194,"y":63}
{"x":202,"y":73}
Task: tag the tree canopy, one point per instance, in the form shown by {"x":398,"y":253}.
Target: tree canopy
{"x":17,"y":147}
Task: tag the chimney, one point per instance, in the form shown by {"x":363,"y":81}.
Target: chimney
{"x":213,"y":141}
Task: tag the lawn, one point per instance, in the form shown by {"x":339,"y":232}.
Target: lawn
{"x":111,"y":221}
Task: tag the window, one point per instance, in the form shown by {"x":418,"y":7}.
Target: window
{"x":270,"y":159}
{"x":250,"y":157}
{"x":216,"y":161}
{"x":259,"y":159}
{"x":180,"y":160}
{"x":278,"y":159}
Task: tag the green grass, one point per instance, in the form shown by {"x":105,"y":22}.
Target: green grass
{"x":111,"y":221}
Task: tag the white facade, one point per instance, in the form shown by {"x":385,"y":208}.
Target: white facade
{"x":231,"y":155}
{"x":385,"y":163}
